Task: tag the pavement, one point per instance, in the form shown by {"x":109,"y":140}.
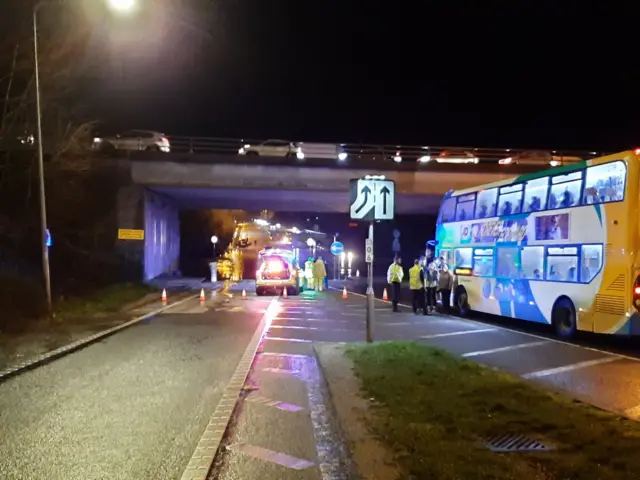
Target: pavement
{"x":132,"y":406}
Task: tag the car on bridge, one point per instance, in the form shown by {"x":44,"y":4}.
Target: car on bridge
{"x":273,"y":148}
{"x":134,"y":140}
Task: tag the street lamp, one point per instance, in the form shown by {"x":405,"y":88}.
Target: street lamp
{"x":214,"y":241}
{"x":120,"y":5}
{"x":349,"y":260}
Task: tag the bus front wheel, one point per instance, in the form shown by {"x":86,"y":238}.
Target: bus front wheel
{"x":563,"y":318}
{"x":462,"y":301}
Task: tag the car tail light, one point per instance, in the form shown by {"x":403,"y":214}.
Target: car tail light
{"x":274,"y":266}
{"x":636,"y":294}
{"x":637,"y":151}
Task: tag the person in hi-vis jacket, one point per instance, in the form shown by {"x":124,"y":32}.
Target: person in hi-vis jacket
{"x":394,"y":278}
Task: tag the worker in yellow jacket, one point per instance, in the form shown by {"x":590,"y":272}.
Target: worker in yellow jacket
{"x":394,"y":278}
{"x":416,"y":284}
{"x":319,"y":273}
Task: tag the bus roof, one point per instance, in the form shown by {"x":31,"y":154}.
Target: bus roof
{"x":543,"y":173}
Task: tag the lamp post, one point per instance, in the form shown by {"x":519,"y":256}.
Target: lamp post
{"x":214,"y":241}
{"x":119,"y":5}
{"x":350,"y":260}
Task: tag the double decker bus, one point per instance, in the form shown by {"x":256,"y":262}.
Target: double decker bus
{"x":559,"y":247}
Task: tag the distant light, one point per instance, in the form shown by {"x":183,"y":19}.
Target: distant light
{"x":424,"y":159}
{"x":397,"y":158}
{"x":310,"y":242}
{"x":300,"y":154}
{"x":554,"y":163}
{"x":505,"y":161}
{"x":278,"y":225}
{"x":593,"y":153}
{"x":123,"y":5}
{"x":342,"y":156}
{"x":295,"y":230}
{"x":637,"y":151}
{"x":261,"y":222}
{"x":214,"y":239}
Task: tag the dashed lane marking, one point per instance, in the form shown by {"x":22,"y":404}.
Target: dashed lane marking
{"x":280,"y":339}
{"x":281,"y":370}
{"x":207,"y":448}
{"x":271,"y":456}
{"x":269,"y":402}
{"x":460,"y":332}
{"x":521,"y":332}
{"x":569,"y":368}
{"x":504,"y":349}
{"x":294,"y":327}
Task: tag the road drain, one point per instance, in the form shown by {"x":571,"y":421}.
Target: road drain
{"x":514,"y":443}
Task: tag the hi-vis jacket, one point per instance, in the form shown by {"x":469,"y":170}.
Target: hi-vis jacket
{"x":416,"y":277}
{"x":395,"y":273}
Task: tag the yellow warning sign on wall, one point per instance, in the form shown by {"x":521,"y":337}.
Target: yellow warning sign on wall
{"x":130,"y":234}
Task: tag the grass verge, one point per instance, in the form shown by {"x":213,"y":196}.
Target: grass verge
{"x":107,"y":300}
{"x":432,"y":407}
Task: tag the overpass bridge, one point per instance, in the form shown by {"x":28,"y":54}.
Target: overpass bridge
{"x":203,"y":173}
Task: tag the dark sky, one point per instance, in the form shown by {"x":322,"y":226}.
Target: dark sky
{"x":496,"y":74}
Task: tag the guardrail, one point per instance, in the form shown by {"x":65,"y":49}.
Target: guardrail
{"x":393,"y":153}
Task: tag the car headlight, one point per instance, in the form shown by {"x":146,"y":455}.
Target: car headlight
{"x":342,"y":156}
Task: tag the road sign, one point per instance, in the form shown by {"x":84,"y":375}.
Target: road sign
{"x":130,"y":234}
{"x":337,"y":248}
{"x":368,"y":250}
{"x":372,"y":199}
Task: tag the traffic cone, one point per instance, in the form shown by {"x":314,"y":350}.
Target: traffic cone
{"x":202,"y":299}
{"x":384,"y":295}
{"x":244,"y":294}
{"x":284,"y":293}
{"x":164,"y":296}
{"x":344,"y":293}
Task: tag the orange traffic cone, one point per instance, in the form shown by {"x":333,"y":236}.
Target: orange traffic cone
{"x":164,"y":296}
{"x":202,"y":299}
{"x":384,"y":295}
{"x":244,"y":294}
{"x":284,"y":293}
{"x":344,"y":293}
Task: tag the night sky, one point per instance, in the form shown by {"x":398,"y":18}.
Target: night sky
{"x":493,"y":75}
{"x":485,"y":74}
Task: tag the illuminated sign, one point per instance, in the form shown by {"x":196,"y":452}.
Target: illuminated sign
{"x":130,"y":234}
{"x":493,"y":231}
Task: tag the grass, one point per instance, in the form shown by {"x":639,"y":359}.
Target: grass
{"x":104,"y":301}
{"x":432,"y":407}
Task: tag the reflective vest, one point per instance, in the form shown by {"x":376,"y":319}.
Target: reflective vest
{"x":414,"y":277}
{"x":395,"y":272}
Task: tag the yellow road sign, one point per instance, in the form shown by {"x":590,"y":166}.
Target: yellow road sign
{"x":130,"y":234}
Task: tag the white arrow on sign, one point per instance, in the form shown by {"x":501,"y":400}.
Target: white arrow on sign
{"x":365,"y":200}
{"x":385,"y":198}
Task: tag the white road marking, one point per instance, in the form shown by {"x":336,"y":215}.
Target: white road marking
{"x":461,"y":332}
{"x":296,"y":327}
{"x":302,"y":320}
{"x":569,"y":368}
{"x":280,"y":339}
{"x":280,"y":354}
{"x":503,"y":349}
{"x":519,"y":332}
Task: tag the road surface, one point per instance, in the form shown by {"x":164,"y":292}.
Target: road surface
{"x":132,"y":406}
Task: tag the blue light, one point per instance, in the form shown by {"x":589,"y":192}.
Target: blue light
{"x":49,"y":241}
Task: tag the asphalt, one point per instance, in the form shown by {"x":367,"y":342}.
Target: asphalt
{"x":132,"y":406}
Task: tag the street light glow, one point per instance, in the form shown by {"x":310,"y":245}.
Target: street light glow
{"x":124,"y":6}
{"x":214,"y":239}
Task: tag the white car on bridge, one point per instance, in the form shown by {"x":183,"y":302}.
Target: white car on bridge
{"x":273,"y":148}
{"x":134,"y":140}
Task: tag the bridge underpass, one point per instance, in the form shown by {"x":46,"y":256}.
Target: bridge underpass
{"x":163,"y":184}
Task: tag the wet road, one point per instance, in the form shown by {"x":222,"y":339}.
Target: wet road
{"x":132,"y":406}
{"x":602,"y":376}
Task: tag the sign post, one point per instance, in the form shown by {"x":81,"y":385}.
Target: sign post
{"x":372,"y":199}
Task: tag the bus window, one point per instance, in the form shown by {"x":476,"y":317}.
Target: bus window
{"x":562,"y":264}
{"x":448,"y":210}
{"x":508,"y":264}
{"x":486,"y":203}
{"x":510,"y":200}
{"x":532,"y":262}
{"x":605,"y":183}
{"x":445,"y":255}
{"x":565,"y":190}
{"x":535,"y":195}
{"x":483,"y":262}
{"x":462,"y":258}
{"x":464,"y":210}
{"x":591,"y":262}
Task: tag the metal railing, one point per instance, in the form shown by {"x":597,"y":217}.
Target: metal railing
{"x":393,"y":153}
